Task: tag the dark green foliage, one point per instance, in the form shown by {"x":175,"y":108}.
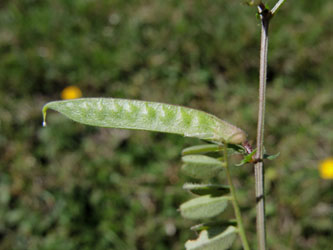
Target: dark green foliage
{"x":76,"y":187}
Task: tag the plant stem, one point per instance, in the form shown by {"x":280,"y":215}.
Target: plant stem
{"x":265,"y":16}
{"x":277,"y":6}
{"x":238,"y":215}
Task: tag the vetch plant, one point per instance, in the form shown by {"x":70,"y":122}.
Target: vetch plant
{"x":201,"y":162}
{"x":225,"y":139}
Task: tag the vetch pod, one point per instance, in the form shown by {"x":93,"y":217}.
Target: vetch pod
{"x":151,"y":116}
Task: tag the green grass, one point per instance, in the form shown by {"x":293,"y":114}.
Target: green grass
{"x":71,"y":186}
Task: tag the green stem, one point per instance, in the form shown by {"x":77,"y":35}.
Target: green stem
{"x":238,"y":215}
{"x":265,"y":16}
{"x":277,"y":6}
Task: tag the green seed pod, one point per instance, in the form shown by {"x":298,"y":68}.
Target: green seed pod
{"x":151,"y":116}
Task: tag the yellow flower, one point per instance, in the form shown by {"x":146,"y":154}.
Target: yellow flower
{"x":71,"y":92}
{"x":326,"y":168}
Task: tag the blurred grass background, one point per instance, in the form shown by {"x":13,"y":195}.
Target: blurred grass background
{"x":70,"y":186}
